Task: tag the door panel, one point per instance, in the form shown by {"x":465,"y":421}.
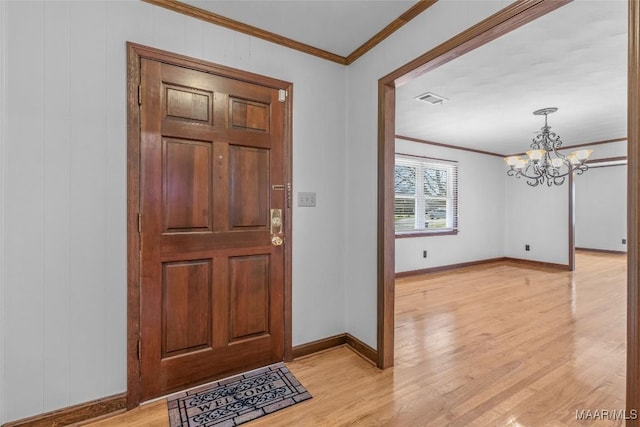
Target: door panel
{"x":211,"y":282}
{"x":249,"y":115}
{"x":249,"y":296}
{"x":188,"y":104}
{"x":186,"y":306}
{"x":249,"y":198}
{"x":187,"y":192}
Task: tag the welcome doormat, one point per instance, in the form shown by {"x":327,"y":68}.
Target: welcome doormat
{"x":238,"y":399}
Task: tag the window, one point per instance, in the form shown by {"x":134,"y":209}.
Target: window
{"x":426,"y":195}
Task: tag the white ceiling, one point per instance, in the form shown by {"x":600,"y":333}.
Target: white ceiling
{"x":337,"y":26}
{"x":573,"y":58}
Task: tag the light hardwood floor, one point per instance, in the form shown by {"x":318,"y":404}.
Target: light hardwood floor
{"x":491,"y":345}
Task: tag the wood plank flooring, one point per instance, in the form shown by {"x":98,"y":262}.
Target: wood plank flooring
{"x":489,"y":345}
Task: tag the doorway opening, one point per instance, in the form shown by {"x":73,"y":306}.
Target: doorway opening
{"x":506,"y":20}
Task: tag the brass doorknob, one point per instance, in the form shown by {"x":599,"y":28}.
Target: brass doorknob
{"x":276,"y":241}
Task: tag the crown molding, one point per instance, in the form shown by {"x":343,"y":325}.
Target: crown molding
{"x":214,"y":18}
{"x":232,"y":24}
{"x":394,"y":26}
{"x":454,"y":147}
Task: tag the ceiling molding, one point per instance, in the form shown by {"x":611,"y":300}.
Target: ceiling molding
{"x":473,"y":150}
{"x":394,"y":26}
{"x":594,"y":162}
{"x":213,"y":18}
{"x":586,"y":144}
{"x":454,"y":147}
{"x":231,"y":24}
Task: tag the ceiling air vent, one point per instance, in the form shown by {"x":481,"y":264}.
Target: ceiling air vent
{"x":431,"y":98}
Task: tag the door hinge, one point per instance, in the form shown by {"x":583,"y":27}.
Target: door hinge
{"x":139,"y":94}
{"x":282,"y":95}
{"x":139,"y":348}
{"x":288,"y":194}
{"x":139,"y":223}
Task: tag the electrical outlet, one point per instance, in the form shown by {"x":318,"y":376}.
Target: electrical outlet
{"x":624,"y":241}
{"x":307,"y":200}
{"x":527,"y":247}
{"x":424,"y":254}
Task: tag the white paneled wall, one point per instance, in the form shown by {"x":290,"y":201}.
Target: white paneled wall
{"x":481,"y":190}
{"x":63,"y":279}
{"x":24,"y":212}
{"x":58,"y":224}
{"x":3,"y":157}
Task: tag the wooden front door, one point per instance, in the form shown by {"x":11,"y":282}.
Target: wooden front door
{"x":211,"y":173}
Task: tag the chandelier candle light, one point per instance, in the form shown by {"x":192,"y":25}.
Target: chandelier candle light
{"x":544,"y":162}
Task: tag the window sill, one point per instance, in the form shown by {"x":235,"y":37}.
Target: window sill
{"x":426,"y":233}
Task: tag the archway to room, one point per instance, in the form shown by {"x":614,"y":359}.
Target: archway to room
{"x":501,"y":23}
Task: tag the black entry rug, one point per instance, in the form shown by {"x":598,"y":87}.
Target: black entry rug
{"x":238,"y":399}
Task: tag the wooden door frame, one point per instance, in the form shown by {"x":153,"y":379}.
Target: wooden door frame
{"x":135,"y":53}
{"x":504,"y":21}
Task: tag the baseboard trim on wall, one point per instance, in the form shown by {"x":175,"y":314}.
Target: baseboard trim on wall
{"x":362,"y":349}
{"x":604,"y":251}
{"x":116,"y":403}
{"x":447,"y":267}
{"x":322,"y":344}
{"x":74,"y":414}
{"x":537,"y":264}
{"x":319,"y":345}
{"x":517,"y":261}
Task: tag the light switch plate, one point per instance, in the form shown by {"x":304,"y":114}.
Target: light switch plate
{"x":307,"y":200}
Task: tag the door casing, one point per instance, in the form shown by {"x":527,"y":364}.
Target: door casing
{"x":135,"y":53}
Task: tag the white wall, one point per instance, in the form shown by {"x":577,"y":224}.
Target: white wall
{"x":537,"y":216}
{"x":439,"y":23}
{"x":601,"y":208}
{"x":601,"y":202}
{"x":481,"y":189}
{"x":63,"y":279}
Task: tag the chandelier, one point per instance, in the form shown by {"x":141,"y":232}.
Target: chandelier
{"x":544,"y":164}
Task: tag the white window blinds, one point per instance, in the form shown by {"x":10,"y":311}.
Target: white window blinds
{"x":426,"y":195}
